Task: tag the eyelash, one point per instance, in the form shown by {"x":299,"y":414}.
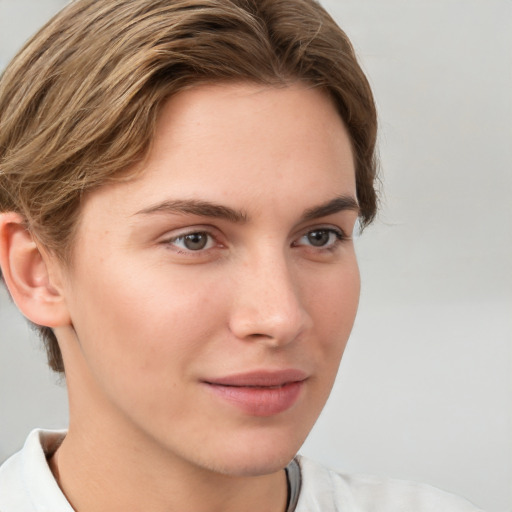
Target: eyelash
{"x":339,"y":237}
{"x":182,"y":237}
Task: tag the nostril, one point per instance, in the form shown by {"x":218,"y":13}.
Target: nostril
{"x":259,"y":335}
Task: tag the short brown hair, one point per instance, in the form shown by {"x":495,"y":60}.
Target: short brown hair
{"x":78,"y":104}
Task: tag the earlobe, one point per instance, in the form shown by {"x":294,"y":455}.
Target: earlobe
{"x":28,"y":276}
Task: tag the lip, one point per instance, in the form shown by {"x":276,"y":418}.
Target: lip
{"x":259,"y":393}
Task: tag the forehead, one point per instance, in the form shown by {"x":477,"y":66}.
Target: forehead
{"x":243,"y":145}
{"x":250,"y":115}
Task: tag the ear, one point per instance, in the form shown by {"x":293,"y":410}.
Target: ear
{"x":31,"y":276}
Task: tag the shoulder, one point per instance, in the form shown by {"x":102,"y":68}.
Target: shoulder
{"x":326,"y":490}
{"x":26,"y":481}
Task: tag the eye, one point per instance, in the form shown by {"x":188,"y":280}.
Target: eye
{"x":322,"y":238}
{"x":196,"y":241}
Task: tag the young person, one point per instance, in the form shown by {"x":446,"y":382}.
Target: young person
{"x":179,"y":184}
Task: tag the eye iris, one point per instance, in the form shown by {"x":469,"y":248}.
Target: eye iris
{"x":318,"y":238}
{"x":195,"y":241}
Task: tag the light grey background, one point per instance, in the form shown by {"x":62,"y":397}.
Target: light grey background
{"x":425,"y":388}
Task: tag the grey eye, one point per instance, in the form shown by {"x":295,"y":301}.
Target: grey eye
{"x":322,"y":238}
{"x":195,"y":241}
{"x":319,"y":237}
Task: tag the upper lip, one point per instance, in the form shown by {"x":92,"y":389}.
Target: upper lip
{"x":260,"y":378}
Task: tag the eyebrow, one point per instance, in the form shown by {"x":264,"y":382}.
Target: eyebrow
{"x":213,"y":210}
{"x":196,"y":207}
{"x":338,"y":204}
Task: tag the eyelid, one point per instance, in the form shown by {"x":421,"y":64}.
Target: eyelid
{"x":183,"y":238}
{"x":170,"y":238}
{"x":339,"y":233}
{"x":325,"y":227}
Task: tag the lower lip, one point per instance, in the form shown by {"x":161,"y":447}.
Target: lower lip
{"x":259,"y":401}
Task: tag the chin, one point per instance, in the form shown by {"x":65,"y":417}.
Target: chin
{"x":259,"y":455}
{"x":251,"y":467}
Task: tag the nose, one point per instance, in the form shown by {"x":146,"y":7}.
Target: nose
{"x":266,"y":302}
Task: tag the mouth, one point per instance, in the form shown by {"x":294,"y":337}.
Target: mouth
{"x":259,"y":393}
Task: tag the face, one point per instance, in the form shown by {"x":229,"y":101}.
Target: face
{"x":212,"y":296}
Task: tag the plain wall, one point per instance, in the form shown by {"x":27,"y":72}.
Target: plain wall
{"x":425,"y":386}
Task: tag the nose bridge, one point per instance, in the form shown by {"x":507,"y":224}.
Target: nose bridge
{"x":267,"y":299}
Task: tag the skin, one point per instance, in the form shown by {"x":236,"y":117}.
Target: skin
{"x":148,"y":319}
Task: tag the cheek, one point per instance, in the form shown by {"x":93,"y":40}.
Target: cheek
{"x":334,"y":303}
{"x":333,"y":309}
{"x":148,"y":326}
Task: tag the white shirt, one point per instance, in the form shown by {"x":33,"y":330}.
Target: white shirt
{"x":324,"y":490}
{"x":27,"y":485}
